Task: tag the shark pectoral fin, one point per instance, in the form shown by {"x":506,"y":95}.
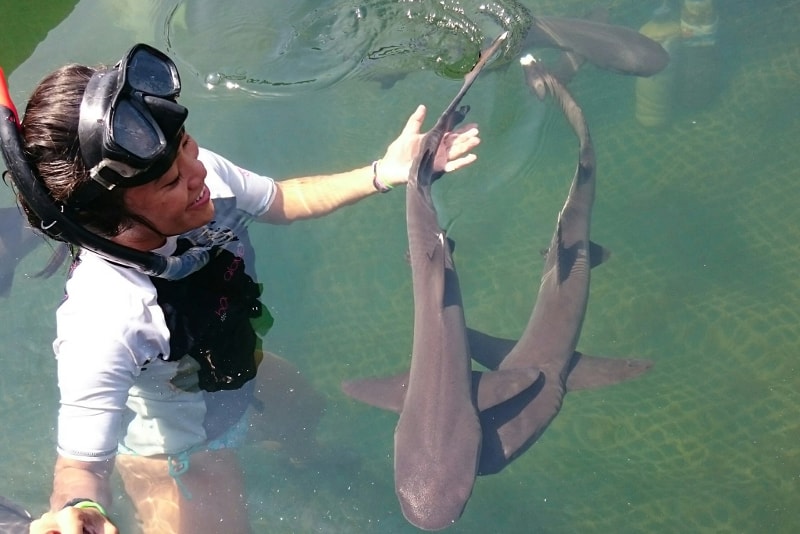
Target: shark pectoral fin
{"x":598,"y":254}
{"x":589,"y":372}
{"x":489,"y":351}
{"x":388,"y":393}
{"x":496,"y":387}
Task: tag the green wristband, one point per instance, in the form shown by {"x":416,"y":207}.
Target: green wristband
{"x":86,"y":503}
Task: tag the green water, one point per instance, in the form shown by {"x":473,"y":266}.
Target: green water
{"x":700,"y":215}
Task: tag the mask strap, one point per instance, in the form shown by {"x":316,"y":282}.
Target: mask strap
{"x":58,"y":220}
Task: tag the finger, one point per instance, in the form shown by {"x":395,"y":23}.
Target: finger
{"x":70,"y":522}
{"x":462,"y":128}
{"x":40,"y":526}
{"x":453,"y":138}
{"x":414,"y":124}
{"x":462,"y":137}
{"x":458,"y":163}
{"x":461,"y":146}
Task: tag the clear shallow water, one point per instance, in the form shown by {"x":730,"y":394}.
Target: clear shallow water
{"x":699,"y":216}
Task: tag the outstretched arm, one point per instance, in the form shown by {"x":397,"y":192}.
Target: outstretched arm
{"x":315,"y":196}
{"x":76,"y":479}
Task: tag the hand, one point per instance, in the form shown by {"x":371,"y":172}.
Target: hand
{"x":454,"y":151}
{"x":73,"y":520}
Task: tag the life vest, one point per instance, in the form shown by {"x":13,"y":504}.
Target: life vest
{"x":213,"y":315}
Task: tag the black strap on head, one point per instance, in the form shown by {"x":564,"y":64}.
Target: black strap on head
{"x":122,"y":169}
{"x":58,"y":220}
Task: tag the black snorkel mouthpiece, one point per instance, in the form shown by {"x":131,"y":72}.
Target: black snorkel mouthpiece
{"x":58,"y":220}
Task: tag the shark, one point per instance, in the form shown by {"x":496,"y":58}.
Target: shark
{"x":14,"y":519}
{"x":607,"y":46}
{"x":438,"y":435}
{"x":510,"y":424}
{"x":550,"y":338}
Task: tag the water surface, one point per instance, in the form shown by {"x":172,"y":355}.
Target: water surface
{"x":699,"y":214}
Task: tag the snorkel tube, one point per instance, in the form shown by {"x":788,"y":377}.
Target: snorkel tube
{"x":58,"y":219}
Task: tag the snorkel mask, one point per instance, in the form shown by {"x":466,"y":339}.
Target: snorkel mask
{"x":130,"y":129}
{"x":130,"y":124}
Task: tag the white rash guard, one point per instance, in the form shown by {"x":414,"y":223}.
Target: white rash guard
{"x":115,"y":389}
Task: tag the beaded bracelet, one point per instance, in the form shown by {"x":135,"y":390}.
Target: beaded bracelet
{"x":380,"y":186}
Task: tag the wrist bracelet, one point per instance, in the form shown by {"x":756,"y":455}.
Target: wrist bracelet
{"x":84,"y":503}
{"x":380,"y":186}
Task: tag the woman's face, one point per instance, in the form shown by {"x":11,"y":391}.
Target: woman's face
{"x":177,"y":202}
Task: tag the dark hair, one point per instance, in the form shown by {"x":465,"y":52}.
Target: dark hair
{"x":50,"y":134}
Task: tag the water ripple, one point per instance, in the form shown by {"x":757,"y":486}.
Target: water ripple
{"x":281,"y":47}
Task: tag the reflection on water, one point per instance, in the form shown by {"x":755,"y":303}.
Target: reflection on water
{"x":702,"y":278}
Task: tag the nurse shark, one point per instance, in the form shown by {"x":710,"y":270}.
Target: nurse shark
{"x":14,"y":519}
{"x":606,"y":46}
{"x":548,"y":343}
{"x":551,"y":336}
{"x":438,"y":436}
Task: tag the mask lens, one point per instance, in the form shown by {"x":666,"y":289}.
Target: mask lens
{"x":130,"y":123}
{"x":134,"y":132}
{"x":152,"y":75}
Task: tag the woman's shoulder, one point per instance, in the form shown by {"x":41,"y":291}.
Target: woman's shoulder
{"x":253,"y":192}
{"x":112,"y":308}
{"x":98,"y":287}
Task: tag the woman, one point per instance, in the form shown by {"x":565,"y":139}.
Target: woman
{"x":159,"y":332}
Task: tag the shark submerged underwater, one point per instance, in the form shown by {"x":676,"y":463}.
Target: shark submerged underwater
{"x":511,"y":417}
{"x":550,"y":338}
{"x":434,"y":474}
{"x":13,"y":518}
